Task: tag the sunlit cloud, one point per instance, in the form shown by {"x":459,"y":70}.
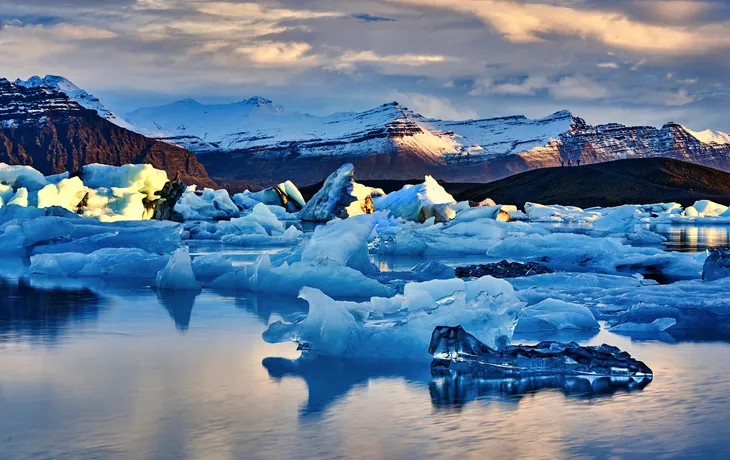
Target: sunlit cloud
{"x":351,"y":57}
{"x":531,"y":23}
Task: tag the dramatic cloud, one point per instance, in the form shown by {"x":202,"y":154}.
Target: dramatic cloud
{"x":637,"y":61}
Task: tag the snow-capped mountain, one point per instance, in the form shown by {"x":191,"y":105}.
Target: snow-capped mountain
{"x":75,"y":93}
{"x":255,"y":141}
{"x":43,"y":127}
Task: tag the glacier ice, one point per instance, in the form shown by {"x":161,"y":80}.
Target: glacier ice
{"x":554,"y":315}
{"x":335,"y":280}
{"x":348,"y":330}
{"x":456,"y":352}
{"x":178,"y":273}
{"x":258,"y":226}
{"x":207,"y":204}
{"x":717,"y":264}
{"x":555,"y":213}
{"x":339,"y":197}
{"x":418,"y":202}
{"x":107,"y":263}
{"x":286,"y":195}
{"x":658,"y":325}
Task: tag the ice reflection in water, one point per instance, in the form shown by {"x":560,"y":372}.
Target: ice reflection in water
{"x":693,"y":238}
{"x":125,"y":372}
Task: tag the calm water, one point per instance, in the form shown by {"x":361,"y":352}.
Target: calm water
{"x":127,"y":373}
{"x":110,"y":371}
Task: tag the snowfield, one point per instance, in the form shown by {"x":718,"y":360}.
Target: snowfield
{"x":610,"y":267}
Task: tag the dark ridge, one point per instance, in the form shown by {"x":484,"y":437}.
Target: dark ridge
{"x":45,"y":129}
{"x":635,"y":181}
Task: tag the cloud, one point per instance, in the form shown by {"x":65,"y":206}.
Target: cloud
{"x":578,"y":87}
{"x":416,"y":60}
{"x":433,"y":107}
{"x":533,"y":23}
{"x":607,"y":65}
{"x":570,"y":87}
{"x":278,"y":53}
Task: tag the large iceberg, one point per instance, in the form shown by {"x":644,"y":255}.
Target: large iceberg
{"x":419,"y":202}
{"x":339,"y":197}
{"x":206,"y":204}
{"x":178,"y":273}
{"x":456,"y":351}
{"x":403,"y":329}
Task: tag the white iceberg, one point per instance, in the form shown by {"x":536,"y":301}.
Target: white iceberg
{"x":178,"y":273}
{"x":418,"y":202}
{"x":340,"y":197}
{"x":331,"y":328}
{"x":555,"y":315}
{"x":207,"y":204}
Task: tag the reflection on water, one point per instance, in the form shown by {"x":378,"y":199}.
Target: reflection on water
{"x":455,"y":392}
{"x":136,"y":386}
{"x":38,"y":315}
{"x":329,"y":379}
{"x":179,"y":304}
{"x":693,"y":238}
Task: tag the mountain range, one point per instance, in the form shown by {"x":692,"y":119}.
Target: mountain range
{"x":255,"y":143}
{"x":44,"y":127}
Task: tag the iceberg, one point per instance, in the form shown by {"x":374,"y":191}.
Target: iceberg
{"x":456,"y":352}
{"x":658,"y":325}
{"x":335,"y":280}
{"x":555,"y":213}
{"x":717,"y":264}
{"x":207,"y":204}
{"x":340,"y":197}
{"x":258,"y":227}
{"x":286,"y":195}
{"x":419,"y":202}
{"x":555,"y":315}
{"x":341,"y":329}
{"x":106,"y":263}
{"x":178,"y":273}
{"x":21,"y":177}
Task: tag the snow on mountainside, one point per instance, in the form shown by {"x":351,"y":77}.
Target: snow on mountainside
{"x":75,"y":93}
{"x":257,"y":125}
{"x":709,"y":136}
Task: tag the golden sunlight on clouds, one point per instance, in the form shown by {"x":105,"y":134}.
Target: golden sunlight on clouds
{"x":529,"y":23}
{"x":404,"y":59}
{"x":278,"y":53}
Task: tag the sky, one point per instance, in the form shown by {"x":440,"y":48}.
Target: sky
{"x":633,"y":62}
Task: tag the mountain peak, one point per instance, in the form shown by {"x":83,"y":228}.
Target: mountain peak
{"x":51,"y":81}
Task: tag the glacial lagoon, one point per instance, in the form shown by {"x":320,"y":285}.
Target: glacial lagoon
{"x":98,"y":369}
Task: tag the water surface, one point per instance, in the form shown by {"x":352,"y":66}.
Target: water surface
{"x":119,"y":372}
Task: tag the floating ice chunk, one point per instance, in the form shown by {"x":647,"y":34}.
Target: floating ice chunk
{"x":418,"y":202}
{"x":709,"y":208}
{"x":206,"y":205}
{"x":554,"y":315}
{"x":339,"y":197}
{"x":107,"y":263}
{"x":421,"y":295}
{"x":335,"y":280}
{"x":456,"y":352}
{"x":343,"y":242}
{"x":622,"y":219}
{"x":21,"y":176}
{"x":260,"y":217}
{"x":573,"y":252}
{"x":331,"y":329}
{"x":178,"y":273}
{"x":89,"y":235}
{"x":286,"y":195}
{"x":717,"y":264}
{"x":556,"y":213}
{"x":658,"y":325}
